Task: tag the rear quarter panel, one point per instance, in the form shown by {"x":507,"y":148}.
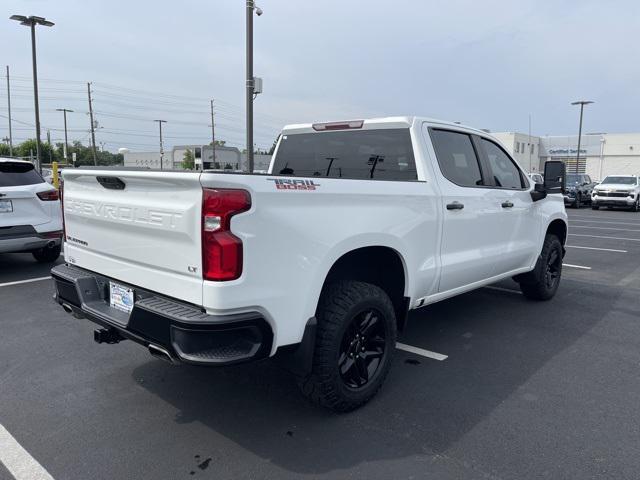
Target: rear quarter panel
{"x":292,"y":238}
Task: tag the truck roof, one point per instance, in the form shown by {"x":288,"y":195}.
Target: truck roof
{"x":379,"y":123}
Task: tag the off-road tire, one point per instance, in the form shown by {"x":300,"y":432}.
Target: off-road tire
{"x":542,"y":282}
{"x":47,"y":254}
{"x":340,"y":306}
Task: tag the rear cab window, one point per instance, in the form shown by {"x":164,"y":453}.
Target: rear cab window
{"x":13,"y":174}
{"x":376,"y":154}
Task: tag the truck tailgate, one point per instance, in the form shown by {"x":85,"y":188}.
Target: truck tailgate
{"x":140,"y":227}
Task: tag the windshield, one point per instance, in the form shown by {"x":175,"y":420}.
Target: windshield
{"x":620,"y":180}
{"x":573,"y":178}
{"x":13,"y":174}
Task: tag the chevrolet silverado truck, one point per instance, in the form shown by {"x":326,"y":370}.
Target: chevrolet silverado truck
{"x":617,"y":191}
{"x":318,"y":261}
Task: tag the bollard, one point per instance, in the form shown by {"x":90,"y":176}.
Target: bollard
{"x":56,"y":182}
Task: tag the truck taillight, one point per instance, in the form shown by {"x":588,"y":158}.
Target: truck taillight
{"x":64,"y":229}
{"x":221,"y":249}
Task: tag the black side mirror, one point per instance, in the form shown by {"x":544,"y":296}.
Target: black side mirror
{"x":554,"y":177}
{"x":539,"y":192}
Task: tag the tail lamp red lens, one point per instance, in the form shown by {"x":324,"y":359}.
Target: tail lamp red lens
{"x":48,"y":195}
{"x":221,"y":249}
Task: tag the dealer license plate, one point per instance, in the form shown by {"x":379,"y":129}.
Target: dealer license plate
{"x":6,"y":206}
{"x":121,"y":297}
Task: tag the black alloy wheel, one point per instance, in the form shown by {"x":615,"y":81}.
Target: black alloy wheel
{"x":554,"y":269}
{"x":362,"y":349}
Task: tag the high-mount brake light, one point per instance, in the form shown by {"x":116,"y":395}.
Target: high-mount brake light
{"x":319,"y":127}
{"x":221,"y":249}
{"x":48,"y":195}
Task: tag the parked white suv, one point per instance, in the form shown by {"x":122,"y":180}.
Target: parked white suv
{"x":30,"y":213}
{"x":617,"y":191}
{"x":317,"y":262}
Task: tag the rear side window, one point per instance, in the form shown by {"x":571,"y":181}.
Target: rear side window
{"x":457,"y":158}
{"x":13,"y":174}
{"x":505,"y":173}
{"x":362,"y":154}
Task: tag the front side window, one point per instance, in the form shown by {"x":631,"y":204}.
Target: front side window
{"x":457,"y":158}
{"x":381,"y":154}
{"x":13,"y":174}
{"x":505,"y":173}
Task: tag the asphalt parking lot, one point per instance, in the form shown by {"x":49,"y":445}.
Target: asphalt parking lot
{"x":527,"y":390}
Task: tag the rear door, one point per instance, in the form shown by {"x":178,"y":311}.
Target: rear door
{"x":140,"y":227}
{"x":19,"y":205}
{"x":471,"y":211}
{"x":518,"y":226}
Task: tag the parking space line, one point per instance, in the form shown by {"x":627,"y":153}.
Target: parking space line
{"x":19,"y":282}
{"x":606,"y":228}
{"x":420,"y":351}
{"x":576,"y":266}
{"x":604,"y":222}
{"x":502,"y":289}
{"x":18,"y":461}
{"x":595,"y":248}
{"x":605,"y":236}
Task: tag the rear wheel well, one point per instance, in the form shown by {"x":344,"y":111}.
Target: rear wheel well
{"x":380,"y":266}
{"x":559,"y":229}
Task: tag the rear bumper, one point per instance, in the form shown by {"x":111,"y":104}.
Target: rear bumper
{"x":187,"y":333}
{"x":24,"y":238}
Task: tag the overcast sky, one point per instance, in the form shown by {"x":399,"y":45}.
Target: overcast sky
{"x":489,"y":64}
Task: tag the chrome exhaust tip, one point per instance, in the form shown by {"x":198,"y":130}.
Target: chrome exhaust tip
{"x":161,"y":353}
{"x":67,"y":308}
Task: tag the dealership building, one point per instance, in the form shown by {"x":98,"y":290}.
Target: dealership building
{"x":601,"y":154}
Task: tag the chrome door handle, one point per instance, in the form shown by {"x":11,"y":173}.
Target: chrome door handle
{"x":455,"y":206}
{"x":507,"y":204}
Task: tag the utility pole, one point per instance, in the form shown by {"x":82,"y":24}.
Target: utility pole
{"x":31,"y":22}
{"x":582,"y":103}
{"x":250,"y":81}
{"x":160,"y":122}
{"x":66,"y":141}
{"x":213,"y":134}
{"x":9,"y":109}
{"x":49,"y":143}
{"x":93,"y":130}
{"x":530,"y":142}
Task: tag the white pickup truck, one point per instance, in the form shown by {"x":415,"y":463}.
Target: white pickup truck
{"x":316,"y":262}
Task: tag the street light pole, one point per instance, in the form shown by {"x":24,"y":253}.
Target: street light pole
{"x":160,"y":122}
{"x":31,"y":22}
{"x":582,"y":103}
{"x":9,"y":112}
{"x":250,"y":90}
{"x":213,"y":135}
{"x":66,"y":141}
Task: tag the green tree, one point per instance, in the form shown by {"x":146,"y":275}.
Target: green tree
{"x":273,"y":147}
{"x":188,"y":160}
{"x":4,"y":150}
{"x":219,"y":143}
{"x":28,"y":147}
